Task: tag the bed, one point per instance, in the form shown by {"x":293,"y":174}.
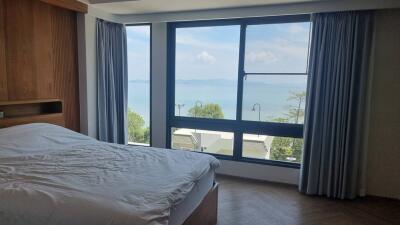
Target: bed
{"x":52,"y":175}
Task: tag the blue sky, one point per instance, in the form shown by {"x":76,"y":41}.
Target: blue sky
{"x":212,"y":52}
{"x":138,"y":39}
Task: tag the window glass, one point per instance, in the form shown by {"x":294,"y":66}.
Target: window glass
{"x":272,"y":92}
{"x":206,"y":71}
{"x":272,"y":148}
{"x":138,"y":44}
{"x":274,"y":98}
{"x":215,"y":142}
{"x":277,"y":48}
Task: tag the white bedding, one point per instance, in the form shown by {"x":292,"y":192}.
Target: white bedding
{"x":52,"y":176}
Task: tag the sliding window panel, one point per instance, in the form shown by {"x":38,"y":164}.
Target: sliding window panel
{"x":285,"y":149}
{"x":138,"y":43}
{"x":206,"y":68}
{"x":215,"y":142}
{"x":277,"y":48}
{"x":274,"y":98}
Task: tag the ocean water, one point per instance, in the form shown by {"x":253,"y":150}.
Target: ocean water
{"x":272,"y":97}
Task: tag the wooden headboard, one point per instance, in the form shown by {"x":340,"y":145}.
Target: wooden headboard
{"x":31,"y":111}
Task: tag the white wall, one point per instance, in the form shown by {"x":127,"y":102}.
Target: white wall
{"x":383,"y":164}
{"x":86,"y":26}
{"x":259,"y":172}
{"x":87,"y":73}
{"x":159,"y":85}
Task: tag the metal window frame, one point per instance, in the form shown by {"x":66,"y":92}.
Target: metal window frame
{"x":150,"y":79}
{"x":237,"y":126}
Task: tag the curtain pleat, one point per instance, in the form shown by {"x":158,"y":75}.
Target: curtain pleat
{"x":336,"y":95}
{"x":112,"y":82}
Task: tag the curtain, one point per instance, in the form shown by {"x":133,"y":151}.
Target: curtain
{"x":336,"y":99}
{"x":112,"y":82}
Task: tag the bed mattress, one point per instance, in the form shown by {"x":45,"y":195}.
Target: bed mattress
{"x":182,"y":211}
{"x":51,"y":175}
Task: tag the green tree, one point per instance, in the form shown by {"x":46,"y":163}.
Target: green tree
{"x":295,"y":111}
{"x":209,"y":110}
{"x":136,"y":130}
{"x":285,"y":148}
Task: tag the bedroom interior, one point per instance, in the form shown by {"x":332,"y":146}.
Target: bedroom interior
{"x":199,"y":112}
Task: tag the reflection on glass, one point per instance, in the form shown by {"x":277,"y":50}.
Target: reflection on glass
{"x":274,"y":98}
{"x":206,"y":71}
{"x":138,"y":44}
{"x":272,"y":148}
{"x":215,"y":142}
{"x":277,"y":48}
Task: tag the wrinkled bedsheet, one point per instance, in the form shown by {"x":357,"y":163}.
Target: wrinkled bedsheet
{"x":53,"y":176}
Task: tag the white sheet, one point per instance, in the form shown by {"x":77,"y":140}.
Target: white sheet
{"x":50,"y":175}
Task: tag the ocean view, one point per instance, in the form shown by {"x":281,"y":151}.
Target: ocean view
{"x":272,"y":96}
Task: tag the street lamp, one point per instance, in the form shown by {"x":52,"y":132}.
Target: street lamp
{"x":259,"y":110}
{"x":179,"y":108}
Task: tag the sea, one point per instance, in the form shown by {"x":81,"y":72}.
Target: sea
{"x":263,"y":101}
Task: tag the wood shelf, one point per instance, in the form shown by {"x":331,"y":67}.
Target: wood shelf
{"x":32,"y":111}
{"x":55,"y":118}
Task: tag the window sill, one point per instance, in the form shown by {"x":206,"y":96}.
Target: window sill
{"x":138,"y":144}
{"x":256,"y":161}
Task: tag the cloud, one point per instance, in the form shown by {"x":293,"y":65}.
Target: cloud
{"x":261,"y":56}
{"x":206,"y":57}
{"x":141,"y":30}
{"x":189,"y":40}
{"x":296,"y":28}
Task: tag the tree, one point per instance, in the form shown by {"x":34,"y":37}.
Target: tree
{"x":286,"y":148}
{"x":209,"y":110}
{"x":136,"y":130}
{"x":295,"y":112}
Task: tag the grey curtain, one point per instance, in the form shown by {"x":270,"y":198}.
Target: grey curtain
{"x":112,"y":82}
{"x":337,"y":90}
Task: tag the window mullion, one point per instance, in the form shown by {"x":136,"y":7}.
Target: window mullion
{"x":237,"y":150}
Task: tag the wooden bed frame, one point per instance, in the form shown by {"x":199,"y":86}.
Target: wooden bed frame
{"x":206,"y":213}
{"x":51,"y":111}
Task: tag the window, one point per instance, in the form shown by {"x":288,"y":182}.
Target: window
{"x":256,"y":146}
{"x":138,"y":44}
{"x":214,"y":142}
{"x":204,"y":69}
{"x":238,"y":88}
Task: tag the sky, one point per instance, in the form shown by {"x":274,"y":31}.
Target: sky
{"x":138,"y":43}
{"x":213,"y":52}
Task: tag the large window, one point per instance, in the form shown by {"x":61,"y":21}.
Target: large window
{"x":206,"y":66}
{"x":237,"y":88}
{"x":138,"y":43}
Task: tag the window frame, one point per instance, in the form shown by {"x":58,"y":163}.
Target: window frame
{"x":150,"y":82}
{"x":237,"y":126}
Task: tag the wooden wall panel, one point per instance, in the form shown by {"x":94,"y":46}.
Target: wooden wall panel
{"x":19,"y":35}
{"x":43,"y":58}
{"x":65,"y":68}
{"x":40,"y":55}
{"x":3,"y":69}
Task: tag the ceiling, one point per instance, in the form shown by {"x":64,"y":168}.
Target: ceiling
{"x":162,"y":6}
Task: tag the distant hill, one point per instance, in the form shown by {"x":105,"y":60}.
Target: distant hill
{"x":225,"y":82}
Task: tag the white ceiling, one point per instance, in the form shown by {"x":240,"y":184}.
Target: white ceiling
{"x":161,"y":6}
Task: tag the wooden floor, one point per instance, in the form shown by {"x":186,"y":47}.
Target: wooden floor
{"x":244,"y":202}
